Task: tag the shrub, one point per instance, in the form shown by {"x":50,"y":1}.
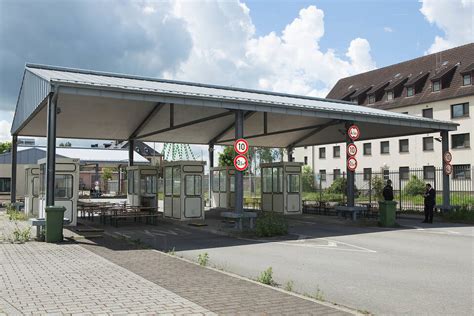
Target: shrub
{"x":266,"y":277}
{"x":307,"y":179}
{"x":203,"y":259}
{"x":339,"y":186}
{"x":21,"y":235}
{"x":271,"y":224}
{"x":415,"y":186}
{"x":461,"y":215}
{"x":377,"y":186}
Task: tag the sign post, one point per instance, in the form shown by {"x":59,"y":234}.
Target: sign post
{"x":241,"y":147}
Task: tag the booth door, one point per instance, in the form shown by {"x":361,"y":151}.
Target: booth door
{"x":32,"y":198}
{"x":267,"y":195}
{"x":172,"y":202}
{"x":193,"y":206}
{"x":293,"y":200}
{"x":277,"y":188}
{"x":64,"y":195}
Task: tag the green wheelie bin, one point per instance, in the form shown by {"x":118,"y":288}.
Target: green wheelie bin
{"x":54,"y":223}
{"x":387,"y":212}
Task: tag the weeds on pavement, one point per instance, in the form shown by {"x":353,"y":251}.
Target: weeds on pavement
{"x":289,"y":286}
{"x":172,"y":252}
{"x":266,"y":277}
{"x":203,"y":259}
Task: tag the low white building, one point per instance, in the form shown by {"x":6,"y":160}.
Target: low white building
{"x":438,"y":85}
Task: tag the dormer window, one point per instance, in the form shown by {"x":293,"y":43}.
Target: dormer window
{"x":410,"y":91}
{"x":466,"y":80}
{"x":436,"y":86}
{"x":371,"y":98}
{"x":389,"y":95}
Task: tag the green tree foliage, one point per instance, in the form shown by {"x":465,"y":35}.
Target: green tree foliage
{"x":377,"y":186}
{"x":107,"y":174}
{"x":307,"y":179}
{"x":5,"y":147}
{"x":66,"y":144}
{"x":339,"y":186}
{"x":415,"y":186}
{"x":226,"y":158}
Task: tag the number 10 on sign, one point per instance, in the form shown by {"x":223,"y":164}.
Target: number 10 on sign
{"x":241,"y":146}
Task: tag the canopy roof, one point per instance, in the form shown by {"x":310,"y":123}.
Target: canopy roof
{"x":98,"y":105}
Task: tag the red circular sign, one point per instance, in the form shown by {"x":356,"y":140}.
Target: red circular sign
{"x":241,"y":146}
{"x":351,"y":150}
{"x":351,"y":164}
{"x":353,"y":132}
{"x":447,"y":157}
{"x":448,"y":169}
{"x":241,"y":162}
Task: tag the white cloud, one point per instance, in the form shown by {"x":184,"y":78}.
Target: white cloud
{"x":454,"y":17}
{"x":5,"y":131}
{"x":388,"y":29}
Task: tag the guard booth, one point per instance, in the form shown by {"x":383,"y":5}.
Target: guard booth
{"x":32,"y":190}
{"x":142,"y":186}
{"x":281,"y":187}
{"x":183,"y":190}
{"x":66,"y":191}
{"x":223,"y":187}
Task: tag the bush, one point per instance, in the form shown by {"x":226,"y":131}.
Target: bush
{"x":307,"y":179}
{"x":377,"y":186}
{"x":15,"y":215}
{"x":461,"y":215}
{"x":339,"y":186}
{"x":203,"y":259}
{"x":266,"y":277}
{"x":271,"y":224}
{"x":415,"y":186}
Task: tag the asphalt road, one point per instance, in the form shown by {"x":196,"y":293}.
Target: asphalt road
{"x":420,"y":269}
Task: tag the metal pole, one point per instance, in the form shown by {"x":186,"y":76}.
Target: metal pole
{"x":211,"y":165}
{"x":350,"y":174}
{"x":14,"y":164}
{"x":239,"y":175}
{"x":446,"y":192}
{"x":97,"y":176}
{"x":131,"y":145}
{"x":290,"y":154}
{"x":51,"y":150}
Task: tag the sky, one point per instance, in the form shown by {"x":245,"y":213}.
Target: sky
{"x":300,"y":47}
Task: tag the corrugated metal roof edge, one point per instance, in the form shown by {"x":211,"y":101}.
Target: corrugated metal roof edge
{"x":211,"y":86}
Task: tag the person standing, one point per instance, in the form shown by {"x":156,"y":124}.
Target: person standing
{"x":430,"y":201}
{"x":388,"y":191}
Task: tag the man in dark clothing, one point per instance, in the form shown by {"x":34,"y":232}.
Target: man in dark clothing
{"x":430,"y":201}
{"x":388,"y":191}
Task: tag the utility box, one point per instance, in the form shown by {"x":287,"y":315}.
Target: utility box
{"x":66,"y":191}
{"x":387,"y":213}
{"x":281,"y":187}
{"x":32,"y":190}
{"x":142,"y":186}
{"x":223,"y":187}
{"x":183,"y":190}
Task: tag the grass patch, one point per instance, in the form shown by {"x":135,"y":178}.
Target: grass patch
{"x":270,"y":224}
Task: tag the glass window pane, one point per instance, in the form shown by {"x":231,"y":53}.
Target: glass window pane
{"x":63,"y":186}
{"x":267,"y":180}
{"x":168,"y":181}
{"x":215,"y":181}
{"x":5,"y":184}
{"x":35,"y":186}
{"x":222,"y":181}
{"x":293,"y":183}
{"x":232,"y":183}
{"x":190,"y":185}
{"x":176,"y":181}
{"x":277,"y":180}
{"x":136,"y":183}
{"x":129,"y":182}
{"x":197,"y":185}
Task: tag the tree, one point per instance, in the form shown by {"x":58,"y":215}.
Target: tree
{"x":106,"y":176}
{"x":339,"y":186}
{"x":66,"y":144}
{"x":415,"y":186}
{"x":377,"y":186}
{"x":307,"y":179}
{"x":5,"y":147}
{"x":226,"y":158}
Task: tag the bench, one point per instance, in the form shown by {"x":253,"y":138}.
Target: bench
{"x":239,"y":217}
{"x":40,"y":224}
{"x":446,"y":209}
{"x":353,"y":210}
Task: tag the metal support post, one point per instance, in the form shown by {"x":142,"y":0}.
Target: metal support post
{"x":446,"y":192}
{"x":350,"y":174}
{"x":131,"y":149}
{"x":51,"y":150}
{"x":14,"y":168}
{"x":239,"y":175}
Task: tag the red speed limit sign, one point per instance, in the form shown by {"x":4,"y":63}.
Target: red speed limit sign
{"x":241,"y":163}
{"x":351,"y":150}
{"x":448,"y":169}
{"x":353,"y":132}
{"x":241,"y":146}
{"x":447,"y":157}
{"x":351,"y":164}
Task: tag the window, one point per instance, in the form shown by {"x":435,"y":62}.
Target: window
{"x":371,"y":98}
{"x":277,"y":180}
{"x":215,"y":181}
{"x":410,"y":91}
{"x":428,"y":144}
{"x":222,"y":181}
{"x":367,"y":149}
{"x":305,"y":160}
{"x":427,"y":113}
{"x":336,"y":173}
{"x":460,"y":141}
{"x":336,"y":151}
{"x":428,"y":172}
{"x":367,"y":174}
{"x":193,"y":185}
{"x":267,"y":180}
{"x":389,"y":95}
{"x":232,"y":183}
{"x":63,"y":185}
{"x":466,"y":79}
{"x":403,"y":145}
{"x":293,"y":183}
{"x":460,"y":110}
{"x":386,"y":174}
{"x":384,"y":147}
{"x":436,"y":85}
{"x":5,"y":185}
{"x":148,"y":184}
{"x":404,"y":173}
{"x":462,"y":172}
{"x":322,"y":153}
{"x":322,"y":175}
{"x":177,"y":181}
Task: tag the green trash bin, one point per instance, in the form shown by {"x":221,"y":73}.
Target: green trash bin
{"x":387,"y":211}
{"x":54,"y":223}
